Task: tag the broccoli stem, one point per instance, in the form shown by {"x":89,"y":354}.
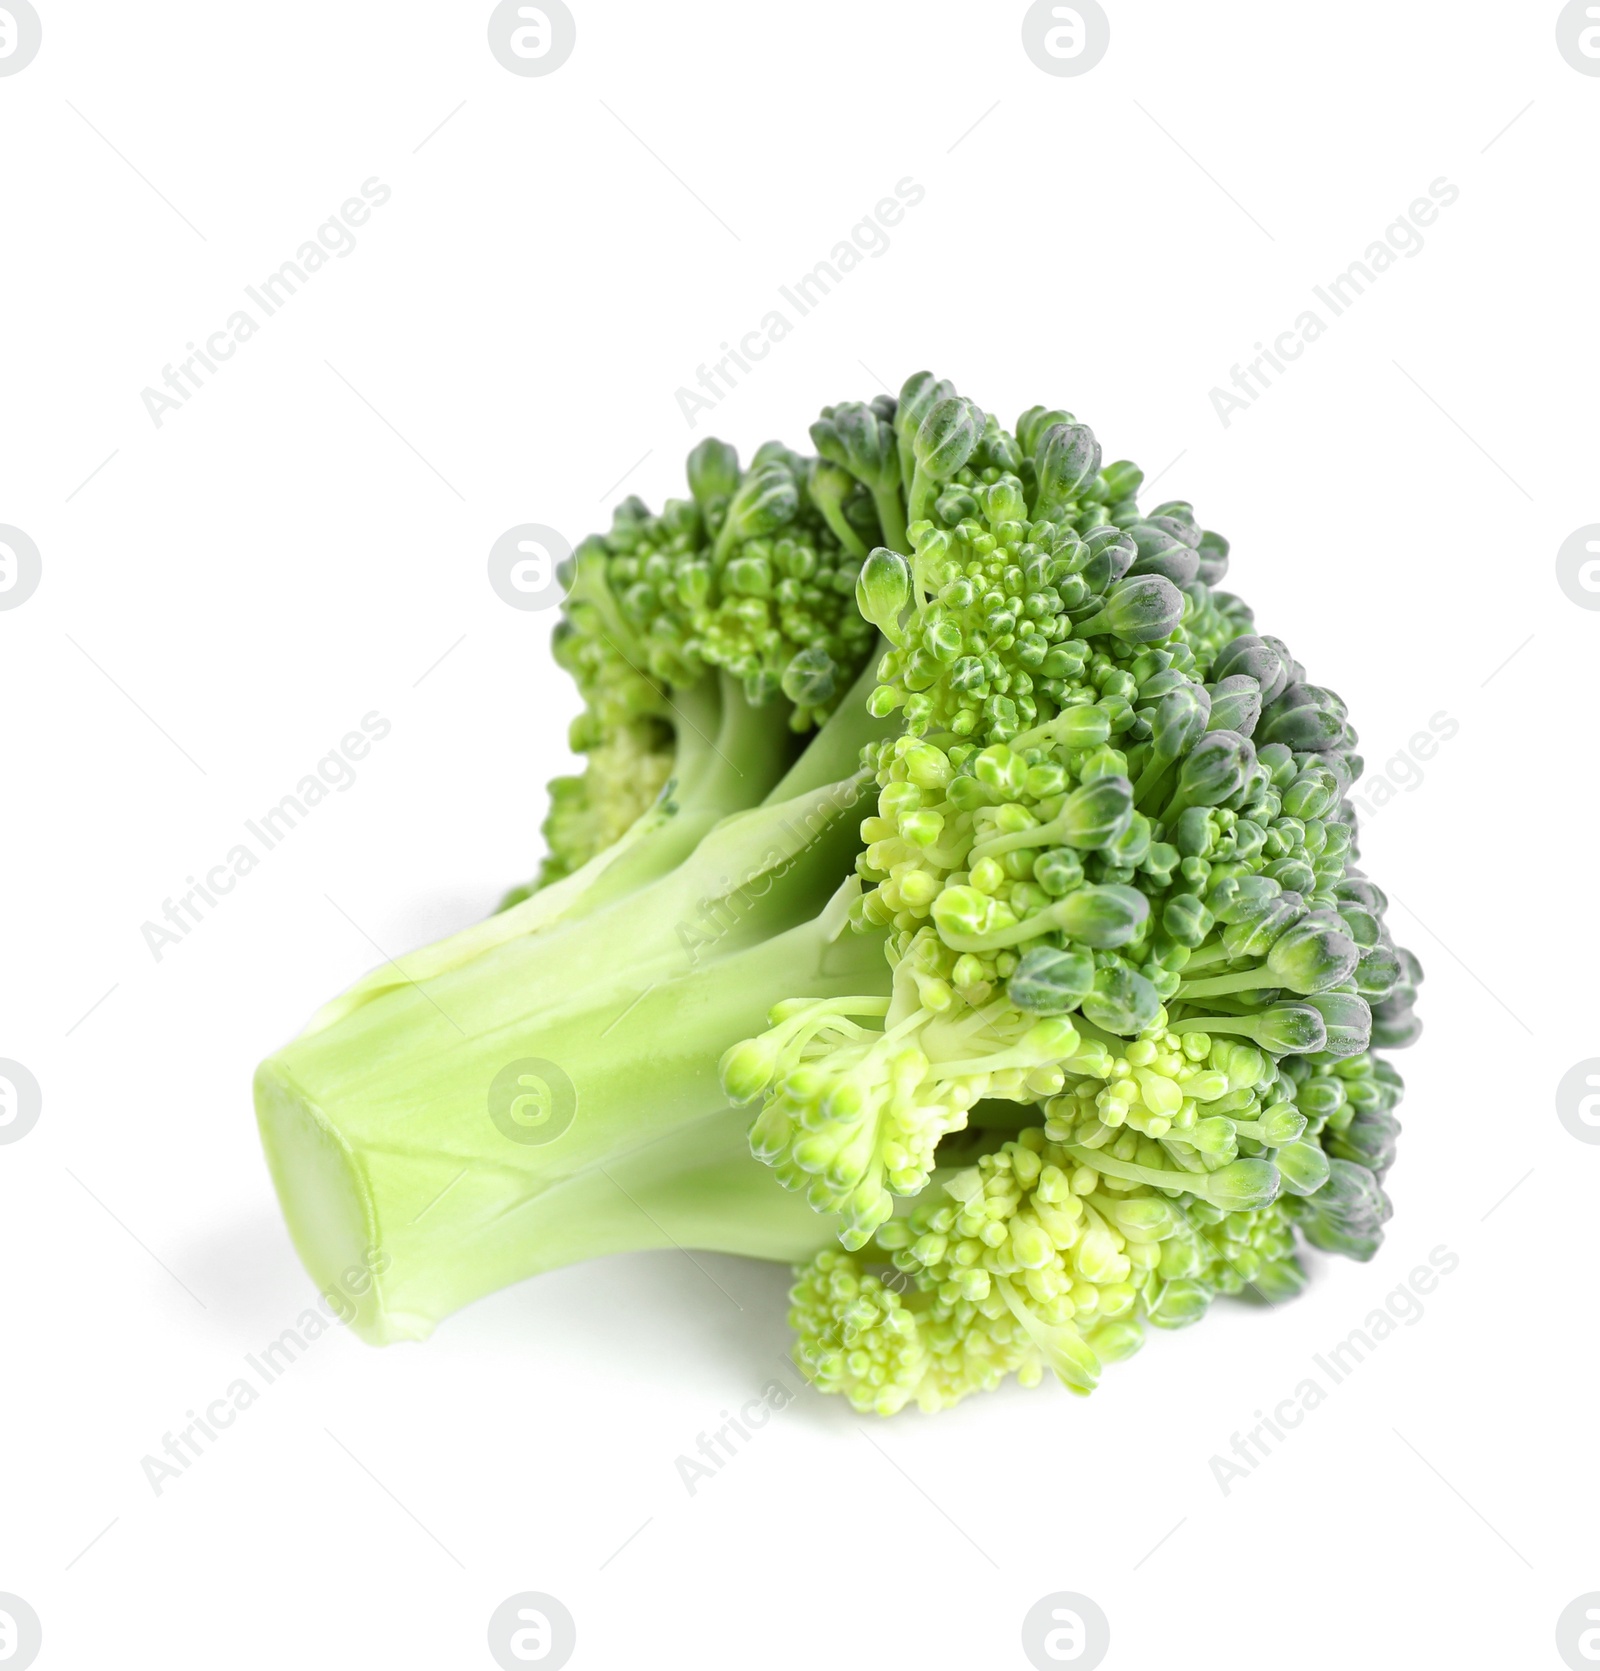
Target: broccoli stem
{"x":731,"y":756}
{"x":891,"y":518}
{"x":378,"y":1128}
{"x":1218,"y":986}
{"x":924,"y":490}
{"x":835,"y":752}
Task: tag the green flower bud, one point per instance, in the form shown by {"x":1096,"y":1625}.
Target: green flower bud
{"x":1246,"y":899}
{"x":1102,"y":917}
{"x":1130,"y":847}
{"x":1259,"y":658}
{"x":968,"y":793}
{"x":1139,"y":610}
{"x":761,"y":685}
{"x":1115,"y":546}
{"x":919,"y":394}
{"x":746,"y":1068}
{"x":1312,"y":794}
{"x":1321,"y":1097}
{"x":1182,"y":717}
{"x":1067,"y":455}
{"x":748,"y":577}
{"x":1213,"y":559}
{"x":771,"y":453}
{"x":882,"y":590}
{"x":1032,"y":425}
{"x":1359,"y":891}
{"x":1289,"y":1029}
{"x":1216,"y":1134}
{"x":1186,"y":919}
{"x":693,"y":585}
{"x":1097,"y":813}
{"x":1369,"y":1139}
{"x":1348,"y":1021}
{"x":1304,"y":1167}
{"x":855,"y":437}
{"x":1242,"y":1186}
{"x":1082,"y":728}
{"x":1394,"y":1029}
{"x":1282,"y":1123}
{"x":1121,"y":1002}
{"x":713,"y":471}
{"x":1235,"y":704}
{"x":1303,"y":717}
{"x":1284,"y":1030}
{"x":1113,"y":1341}
{"x":1142,"y":1218}
{"x":1161,"y":551}
{"x":767,"y":498}
{"x":1178,"y":518}
{"x":1121,"y":481}
{"x":1195,"y":832}
{"x":1058,"y":871}
{"x":1363,"y":928}
{"x":1179,"y":1303}
{"x":1347,"y":1214}
{"x":1181,"y":1256}
{"x":1256,"y":926}
{"x":1216,"y":768}
{"x":1047,"y":981}
{"x":812,"y":678}
{"x":1003,"y":501}
{"x":947,"y":438}
{"x":962,"y":910}
{"x":1378,"y":972}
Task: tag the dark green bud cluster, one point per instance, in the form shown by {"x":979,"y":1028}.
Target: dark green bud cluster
{"x":1113,"y":856}
{"x":754,"y":575}
{"x":746,"y":577}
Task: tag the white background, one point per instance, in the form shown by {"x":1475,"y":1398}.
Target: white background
{"x":233,"y":590}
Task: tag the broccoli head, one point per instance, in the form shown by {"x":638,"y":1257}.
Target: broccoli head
{"x":960,"y":899}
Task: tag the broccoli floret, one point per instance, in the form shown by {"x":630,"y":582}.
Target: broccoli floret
{"x":943,"y":816}
{"x":747,"y":578}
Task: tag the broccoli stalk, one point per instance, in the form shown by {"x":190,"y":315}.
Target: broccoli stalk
{"x":379,"y":1123}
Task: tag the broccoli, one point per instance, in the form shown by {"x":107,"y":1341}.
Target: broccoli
{"x":959,"y":901}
